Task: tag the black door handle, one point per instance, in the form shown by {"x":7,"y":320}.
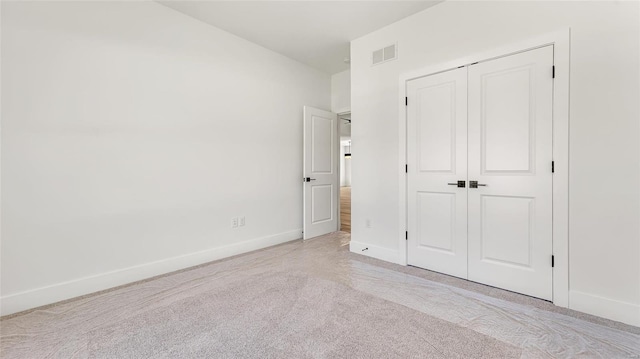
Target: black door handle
{"x":475,"y":184}
{"x":308,"y":179}
{"x":460,"y":184}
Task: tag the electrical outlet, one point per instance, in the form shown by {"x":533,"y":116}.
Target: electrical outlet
{"x":241,"y":221}
{"x":234,"y":222}
{"x":367,"y":223}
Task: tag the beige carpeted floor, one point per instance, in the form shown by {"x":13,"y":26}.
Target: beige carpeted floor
{"x":310,"y":299}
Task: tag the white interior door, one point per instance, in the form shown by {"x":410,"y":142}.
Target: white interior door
{"x":321,"y":177}
{"x":510,"y":156}
{"x":437,"y":160}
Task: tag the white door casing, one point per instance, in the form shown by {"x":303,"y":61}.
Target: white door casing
{"x":321,"y":177}
{"x":510,"y":156}
{"x":437,"y":160}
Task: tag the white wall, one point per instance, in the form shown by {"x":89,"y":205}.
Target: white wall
{"x":347,"y":172}
{"x":340,"y":103}
{"x":345,"y":164}
{"x":604,"y":130}
{"x":342,"y":173}
{"x":132,"y":134}
{"x":341,"y":92}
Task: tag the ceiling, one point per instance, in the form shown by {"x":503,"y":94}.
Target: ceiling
{"x":316,"y":33}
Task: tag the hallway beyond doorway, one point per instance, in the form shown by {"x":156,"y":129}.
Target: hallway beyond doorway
{"x":345,"y":209}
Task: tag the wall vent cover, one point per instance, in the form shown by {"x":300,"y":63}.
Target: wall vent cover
{"x":384,"y":54}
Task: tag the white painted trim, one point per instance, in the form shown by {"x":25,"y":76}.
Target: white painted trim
{"x":403,"y":226}
{"x":561,"y":41}
{"x":628,"y":313}
{"x":561,"y":60}
{"x":385,"y":254}
{"x":18,"y":302}
{"x":1,"y":302}
{"x":343,"y":111}
{"x":340,"y":159}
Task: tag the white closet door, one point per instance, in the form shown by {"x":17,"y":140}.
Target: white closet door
{"x":510,"y":154}
{"x":437,"y":157}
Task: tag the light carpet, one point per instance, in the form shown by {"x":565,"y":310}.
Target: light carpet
{"x":311,"y":299}
{"x":281,"y":315}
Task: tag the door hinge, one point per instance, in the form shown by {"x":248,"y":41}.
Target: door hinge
{"x":553,"y":166}
{"x":406,"y":235}
{"x":406,"y":101}
{"x":406,"y":168}
{"x":553,"y":262}
{"x":553,"y":72}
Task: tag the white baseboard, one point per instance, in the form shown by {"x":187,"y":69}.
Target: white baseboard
{"x":385,"y":254}
{"x":18,"y":302}
{"x":628,"y":313}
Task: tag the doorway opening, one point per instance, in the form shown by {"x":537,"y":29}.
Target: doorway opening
{"x":327,"y":171}
{"x":345,"y":171}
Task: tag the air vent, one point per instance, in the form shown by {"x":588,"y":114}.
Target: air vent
{"x":384,"y":54}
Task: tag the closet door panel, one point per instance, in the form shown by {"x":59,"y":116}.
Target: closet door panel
{"x":437,"y":160}
{"x":510,"y":155}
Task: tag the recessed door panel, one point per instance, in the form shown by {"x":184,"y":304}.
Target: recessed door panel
{"x":322,"y":199}
{"x":322,"y":142}
{"x":506,"y":233}
{"x":436,"y":221}
{"x":508,"y":120}
{"x":510,"y":155}
{"x":437,"y":156}
{"x":436,"y":141}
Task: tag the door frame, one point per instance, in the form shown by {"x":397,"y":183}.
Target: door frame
{"x":345,"y":112}
{"x":561,"y":58}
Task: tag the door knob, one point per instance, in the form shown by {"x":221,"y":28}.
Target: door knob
{"x":475,"y":184}
{"x":460,"y":184}
{"x":308,"y":179}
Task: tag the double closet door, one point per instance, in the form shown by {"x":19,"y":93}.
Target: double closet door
{"x":479,"y":190}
